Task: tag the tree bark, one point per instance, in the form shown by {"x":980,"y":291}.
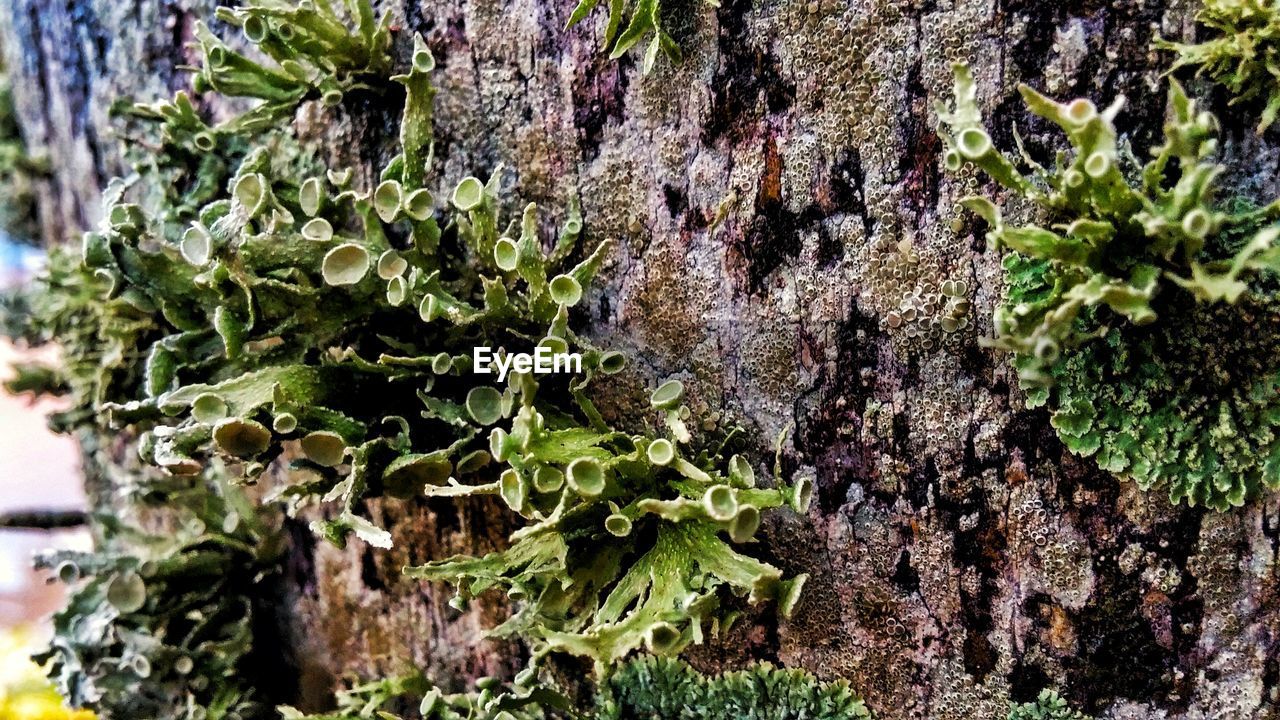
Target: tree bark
{"x":782,"y":209}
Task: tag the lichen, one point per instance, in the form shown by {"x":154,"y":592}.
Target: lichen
{"x":1140,"y":316}
{"x":1048,"y":705}
{"x":287,"y":314}
{"x":161,"y":623}
{"x":319,"y":53}
{"x":629,"y":23}
{"x":645,"y":687}
{"x":1242,"y":53}
{"x":381,"y":699}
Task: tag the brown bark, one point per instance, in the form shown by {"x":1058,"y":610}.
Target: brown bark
{"x":959,"y":555}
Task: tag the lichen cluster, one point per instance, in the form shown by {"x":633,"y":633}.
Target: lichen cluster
{"x":161,"y":622}
{"x":268,"y":316}
{"x":1048,"y":705}
{"x":644,"y":687}
{"x":319,"y":51}
{"x":1242,"y":53}
{"x":1141,"y":316}
{"x":389,"y":698}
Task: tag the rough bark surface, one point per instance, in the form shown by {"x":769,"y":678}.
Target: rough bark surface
{"x":780,"y":198}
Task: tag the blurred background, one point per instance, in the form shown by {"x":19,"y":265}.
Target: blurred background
{"x":40,"y":482}
{"x":40,"y":485}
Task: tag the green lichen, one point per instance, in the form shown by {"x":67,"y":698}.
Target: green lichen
{"x":1242,"y":53}
{"x":645,"y":687}
{"x":320,"y":51}
{"x":1142,"y":317}
{"x":1048,"y":705}
{"x":298,"y":317}
{"x":642,"y":18}
{"x":389,"y":698}
{"x":161,"y":624}
{"x":639,"y":562}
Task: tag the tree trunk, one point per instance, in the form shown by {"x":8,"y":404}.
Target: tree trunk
{"x":783,"y":211}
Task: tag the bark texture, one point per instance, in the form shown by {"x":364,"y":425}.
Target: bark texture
{"x":784,"y":214}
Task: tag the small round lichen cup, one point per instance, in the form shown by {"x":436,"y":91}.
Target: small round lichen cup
{"x":310,"y":196}
{"x":668,"y":395}
{"x":250,"y":192}
{"x":547,"y":479}
{"x":514,"y":489}
{"x":484,"y":405}
{"x":565,"y":290}
{"x":469,"y":194}
{"x":317,"y":230}
{"x":397,"y":291}
{"x":744,"y":525}
{"x":506,"y":255}
{"x":586,"y":477}
{"x":661,"y":637}
{"x":241,"y":437}
{"x":391,"y":265}
{"x":419,"y":204}
{"x":720,"y":502}
{"x":324,"y":448}
{"x":346,"y":264}
{"x":387,"y":198}
{"x":197,"y":245}
{"x":618,"y":525}
{"x":661,"y":452}
{"x":612,"y":362}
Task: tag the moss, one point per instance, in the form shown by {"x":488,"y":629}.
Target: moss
{"x":661,"y":687}
{"x":1142,"y":315}
{"x":1241,"y":53}
{"x":162,"y":624}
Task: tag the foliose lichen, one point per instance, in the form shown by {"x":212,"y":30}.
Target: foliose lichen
{"x":1048,"y":705}
{"x":320,"y":51}
{"x":293,"y":315}
{"x":1242,"y":53}
{"x":642,"y":18}
{"x":160,"y":623}
{"x":1142,"y":316}
{"x":390,"y":698}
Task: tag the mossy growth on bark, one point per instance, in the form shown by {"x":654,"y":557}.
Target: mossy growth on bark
{"x":1242,"y":52}
{"x":644,"y":687}
{"x":267,"y":315}
{"x":1142,"y":312}
{"x":659,"y":687}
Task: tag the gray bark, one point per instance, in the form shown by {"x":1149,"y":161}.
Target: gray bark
{"x":959,"y":555}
